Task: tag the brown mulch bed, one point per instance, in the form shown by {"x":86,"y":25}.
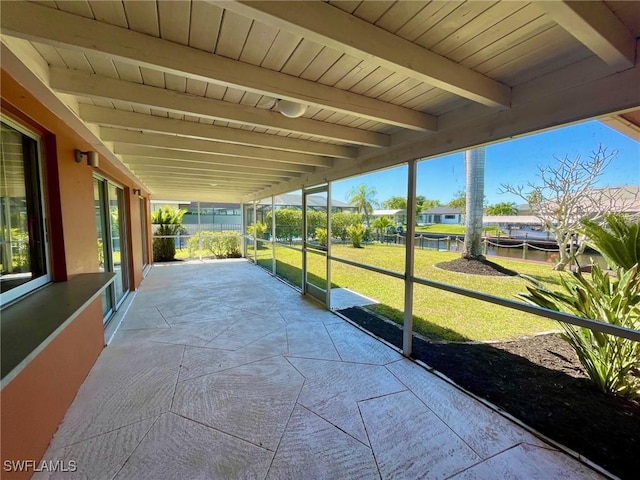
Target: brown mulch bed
{"x":539,"y":381}
{"x":480,"y":266}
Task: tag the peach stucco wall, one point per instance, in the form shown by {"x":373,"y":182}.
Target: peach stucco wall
{"x":33,"y":403}
{"x":75,"y":183}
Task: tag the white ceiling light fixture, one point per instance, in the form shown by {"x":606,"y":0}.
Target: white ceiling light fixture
{"x":291,"y":109}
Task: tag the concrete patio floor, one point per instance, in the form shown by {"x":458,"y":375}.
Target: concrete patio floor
{"x":219,"y":371}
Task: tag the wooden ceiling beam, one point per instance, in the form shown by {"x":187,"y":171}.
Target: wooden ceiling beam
{"x":203,"y":184}
{"x":328,"y":25}
{"x":155,"y":182}
{"x":55,"y":27}
{"x":110,"y":117}
{"x":595,"y":26}
{"x":90,"y":85}
{"x":211,"y":195}
{"x":198,"y":168}
{"x":172,"y":142}
{"x":167,"y":171}
{"x":205,"y":160}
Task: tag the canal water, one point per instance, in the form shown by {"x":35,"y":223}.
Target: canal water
{"x":547,"y":253}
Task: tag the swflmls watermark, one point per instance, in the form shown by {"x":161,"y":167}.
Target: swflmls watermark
{"x":40,"y":466}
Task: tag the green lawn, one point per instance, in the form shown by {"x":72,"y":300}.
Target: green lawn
{"x":436,"y":313}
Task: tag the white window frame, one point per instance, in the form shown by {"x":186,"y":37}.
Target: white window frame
{"x":15,"y":294}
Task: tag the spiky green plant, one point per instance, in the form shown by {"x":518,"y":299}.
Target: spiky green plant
{"x":169,"y":222}
{"x":321,"y":236}
{"x":381,"y":224}
{"x":612,"y":362}
{"x":260,"y":229}
{"x":618,"y":240}
{"x":356,"y":234}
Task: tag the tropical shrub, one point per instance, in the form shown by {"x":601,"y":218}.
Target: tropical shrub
{"x":288,"y":223}
{"x":225,"y":244}
{"x":381,"y":224}
{"x":203,"y":241}
{"x":356,"y":233}
{"x":169,"y":222}
{"x":259,"y":228}
{"x":321,"y":236}
{"x":341,"y":220}
{"x":611,"y":362}
{"x":316,"y":219}
{"x":618,"y":240}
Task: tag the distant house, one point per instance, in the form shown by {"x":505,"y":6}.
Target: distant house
{"x":448,"y":215}
{"x":620,"y":199}
{"x":517,"y":226}
{"x":396,"y":216}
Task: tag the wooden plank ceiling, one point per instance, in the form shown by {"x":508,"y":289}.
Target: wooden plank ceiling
{"x":186,"y":93}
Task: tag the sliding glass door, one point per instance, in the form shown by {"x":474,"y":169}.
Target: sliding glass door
{"x":143,"y":230}
{"x":112,"y":242}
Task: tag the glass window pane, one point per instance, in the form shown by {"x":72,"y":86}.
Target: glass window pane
{"x":369,"y":218}
{"x":289,"y":265}
{"x":264,"y":253}
{"x":248,"y":239}
{"x":102,"y":229}
{"x":288,"y":212}
{"x":98,"y":199}
{"x":316,"y":242}
{"x":118,"y":240}
{"x":362,"y":295}
{"x":143,"y":230}
{"x":22,"y":240}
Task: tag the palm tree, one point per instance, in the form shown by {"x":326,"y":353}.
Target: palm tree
{"x":381,"y":224}
{"x":364,"y":199}
{"x":474,"y":168}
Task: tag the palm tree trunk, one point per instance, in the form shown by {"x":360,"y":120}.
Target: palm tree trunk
{"x":474,"y":169}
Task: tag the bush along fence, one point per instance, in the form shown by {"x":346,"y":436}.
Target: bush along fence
{"x":203,"y":244}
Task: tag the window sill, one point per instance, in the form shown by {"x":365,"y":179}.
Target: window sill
{"x":29,"y":325}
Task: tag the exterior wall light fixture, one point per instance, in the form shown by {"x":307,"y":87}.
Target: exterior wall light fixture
{"x":92,"y":157}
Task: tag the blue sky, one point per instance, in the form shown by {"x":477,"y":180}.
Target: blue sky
{"x":511,"y":161}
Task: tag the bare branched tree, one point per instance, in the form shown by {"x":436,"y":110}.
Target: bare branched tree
{"x":565,"y":193}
